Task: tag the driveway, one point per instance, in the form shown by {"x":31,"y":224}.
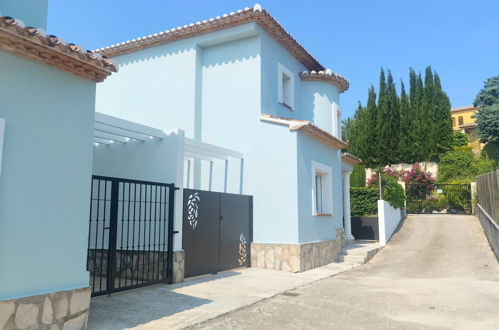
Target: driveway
{"x":438,"y":272}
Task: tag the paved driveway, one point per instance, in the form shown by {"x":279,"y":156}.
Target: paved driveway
{"x":438,"y":272}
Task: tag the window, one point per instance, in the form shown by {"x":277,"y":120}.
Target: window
{"x":453,"y":121}
{"x":318,"y":193}
{"x":285,"y":88}
{"x":321,"y":190}
{"x":460,"y":120}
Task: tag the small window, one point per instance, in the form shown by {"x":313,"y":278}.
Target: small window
{"x":321,"y":191}
{"x":285,"y":88}
{"x":460,"y":120}
{"x":453,"y":121}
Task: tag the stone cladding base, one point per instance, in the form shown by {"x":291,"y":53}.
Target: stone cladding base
{"x":296,"y":257}
{"x":54,"y":311}
{"x":178,"y":266}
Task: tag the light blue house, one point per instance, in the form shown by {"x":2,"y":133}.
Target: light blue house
{"x":47,"y":96}
{"x":240,"y":81}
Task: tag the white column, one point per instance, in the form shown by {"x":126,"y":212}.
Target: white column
{"x":346,"y":206}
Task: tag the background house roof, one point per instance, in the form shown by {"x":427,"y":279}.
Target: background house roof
{"x":36,"y":45}
{"x":242,"y":16}
{"x":467,"y":108}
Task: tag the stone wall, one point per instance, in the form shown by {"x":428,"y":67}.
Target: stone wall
{"x":178,"y":266}
{"x":296,"y":257}
{"x":145,"y":265}
{"x":54,"y":311}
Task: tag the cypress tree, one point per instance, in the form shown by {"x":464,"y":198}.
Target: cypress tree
{"x":442,"y":121}
{"x":406,"y":121}
{"x":428,"y":116}
{"x":371,"y":130}
{"x":389,"y":122}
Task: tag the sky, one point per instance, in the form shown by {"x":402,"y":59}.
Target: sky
{"x":355,"y":38}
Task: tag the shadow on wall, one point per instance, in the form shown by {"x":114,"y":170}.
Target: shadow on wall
{"x":138,"y":307}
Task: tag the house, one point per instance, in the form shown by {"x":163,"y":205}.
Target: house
{"x":242,"y":82}
{"x":47,"y":99}
{"x":463,"y":120}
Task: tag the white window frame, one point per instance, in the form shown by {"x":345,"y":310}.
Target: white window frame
{"x":326,"y":202}
{"x":282,"y":73}
{"x":2,"y":134}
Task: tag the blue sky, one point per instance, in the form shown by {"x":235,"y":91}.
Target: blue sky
{"x":459,"y":39}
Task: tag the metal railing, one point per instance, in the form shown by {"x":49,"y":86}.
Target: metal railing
{"x":488,"y":194}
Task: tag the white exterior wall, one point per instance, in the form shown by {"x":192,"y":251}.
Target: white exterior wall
{"x":389,"y":219}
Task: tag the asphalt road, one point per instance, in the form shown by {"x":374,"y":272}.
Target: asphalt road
{"x":438,"y":272}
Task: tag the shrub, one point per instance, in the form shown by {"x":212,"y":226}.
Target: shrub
{"x":363,"y":201}
{"x":463,"y":165}
{"x":393,"y":193}
{"x":419,"y":183}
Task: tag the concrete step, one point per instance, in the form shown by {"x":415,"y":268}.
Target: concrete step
{"x":353,"y":258}
{"x":355,"y":251}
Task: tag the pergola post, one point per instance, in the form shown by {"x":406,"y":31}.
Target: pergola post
{"x":346,"y":206}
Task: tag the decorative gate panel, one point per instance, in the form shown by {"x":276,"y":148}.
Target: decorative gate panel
{"x":217,"y":231}
{"x":130,"y":234}
{"x":201,"y":232}
{"x":235,"y":231}
{"x":438,"y":198}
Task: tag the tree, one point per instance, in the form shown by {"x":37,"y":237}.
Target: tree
{"x":408,"y":128}
{"x":489,"y":94}
{"x":459,"y":139}
{"x":442,"y":121}
{"x":487,"y":117}
{"x":462,"y":165}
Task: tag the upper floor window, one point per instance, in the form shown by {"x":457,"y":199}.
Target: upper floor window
{"x":285,"y":86}
{"x":460,"y":120}
{"x":453,"y":121}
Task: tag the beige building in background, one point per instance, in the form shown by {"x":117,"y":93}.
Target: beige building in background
{"x":463,"y":120}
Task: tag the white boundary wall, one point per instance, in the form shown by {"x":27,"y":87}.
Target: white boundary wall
{"x":389,"y":219}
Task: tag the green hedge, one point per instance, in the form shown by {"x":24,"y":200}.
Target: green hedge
{"x":393,"y":193}
{"x":363,"y":201}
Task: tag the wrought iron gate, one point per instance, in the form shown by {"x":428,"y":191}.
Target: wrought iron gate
{"x":130,"y":234}
{"x":438,"y":198}
{"x":217,"y":231}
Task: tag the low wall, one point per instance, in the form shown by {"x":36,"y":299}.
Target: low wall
{"x":389,"y":219}
{"x":490,"y":228}
{"x":58,"y":310}
{"x":296,"y":257}
{"x":365,"y":228}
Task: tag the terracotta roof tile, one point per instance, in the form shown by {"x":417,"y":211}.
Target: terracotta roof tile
{"x":309,"y":129}
{"x":255,"y":14}
{"x":466,"y":108}
{"x":350,"y":159}
{"x":35,"y":44}
{"x":327,"y":76}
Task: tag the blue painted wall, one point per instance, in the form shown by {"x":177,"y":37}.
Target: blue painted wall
{"x":215,"y":87}
{"x":318,"y":228}
{"x":45,"y":179}
{"x":31,"y":12}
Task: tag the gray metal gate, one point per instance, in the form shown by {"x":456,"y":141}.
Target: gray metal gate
{"x":217,"y":231}
{"x":130,"y":234}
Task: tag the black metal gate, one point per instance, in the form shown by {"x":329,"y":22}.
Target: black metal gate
{"x":438,"y":198}
{"x":130,"y":234}
{"x":217,"y":231}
